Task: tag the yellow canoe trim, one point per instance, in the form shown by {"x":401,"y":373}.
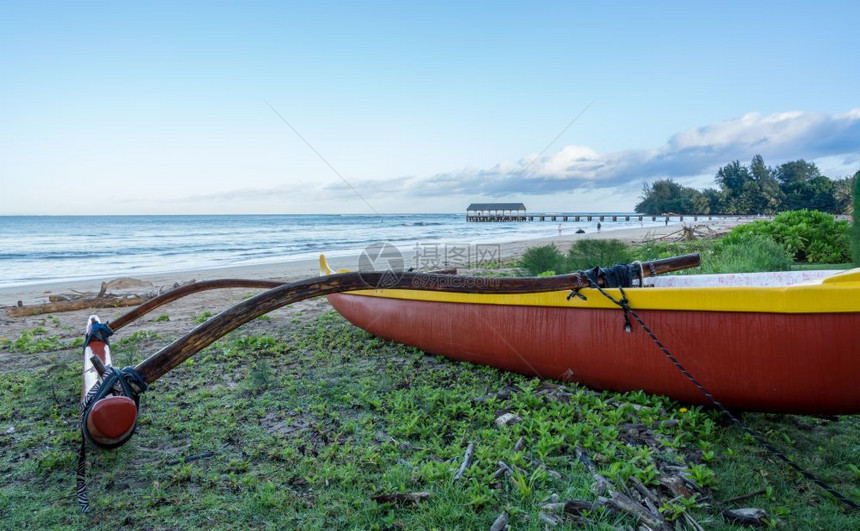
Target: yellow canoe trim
{"x":836,"y":294}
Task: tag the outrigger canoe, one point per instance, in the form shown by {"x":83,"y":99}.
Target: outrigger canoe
{"x":774,"y":342}
{"x":778,"y":342}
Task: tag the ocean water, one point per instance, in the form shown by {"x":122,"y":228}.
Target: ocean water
{"x":36,"y":249}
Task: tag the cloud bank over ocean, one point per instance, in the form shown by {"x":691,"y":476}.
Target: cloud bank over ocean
{"x":686,"y":155}
{"x":573,"y":177}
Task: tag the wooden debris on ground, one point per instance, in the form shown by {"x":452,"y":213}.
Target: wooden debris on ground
{"x":748,"y":516}
{"x":67,"y":306}
{"x":500,"y":524}
{"x":401,"y":497}
{"x":466,"y":459}
{"x":690,"y":232}
{"x":117,"y":293}
{"x":506,"y":419}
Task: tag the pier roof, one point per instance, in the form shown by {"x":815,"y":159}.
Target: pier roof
{"x":496,"y":206}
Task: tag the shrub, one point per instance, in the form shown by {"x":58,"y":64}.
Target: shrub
{"x":538,"y":260}
{"x":586,"y":254}
{"x":809,"y":235}
{"x":747,"y":254}
{"x":855,"y":235}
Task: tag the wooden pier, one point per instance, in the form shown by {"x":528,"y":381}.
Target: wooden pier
{"x":514,"y":212}
{"x":602,"y":218}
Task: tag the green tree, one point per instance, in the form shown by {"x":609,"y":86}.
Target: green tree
{"x":665,"y":195}
{"x":715,"y":200}
{"x":768,"y":197}
{"x":818,"y":194}
{"x":738,"y":188}
{"x":793,"y":178}
{"x":843,"y":194}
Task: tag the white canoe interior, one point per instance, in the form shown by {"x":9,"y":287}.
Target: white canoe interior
{"x":763,"y":280}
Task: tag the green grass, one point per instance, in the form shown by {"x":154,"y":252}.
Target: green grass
{"x":202,"y":317}
{"x":307,"y":425}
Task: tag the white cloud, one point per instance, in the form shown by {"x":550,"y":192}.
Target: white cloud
{"x":575,"y":177}
{"x":690,"y":156}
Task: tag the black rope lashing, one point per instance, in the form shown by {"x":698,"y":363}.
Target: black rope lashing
{"x":640,"y":272}
{"x":617,"y":276}
{"x":579,"y":285}
{"x":625,"y":306}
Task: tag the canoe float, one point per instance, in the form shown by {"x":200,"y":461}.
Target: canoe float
{"x":778,"y":342}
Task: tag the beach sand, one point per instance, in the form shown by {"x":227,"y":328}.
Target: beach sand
{"x":69,"y":325}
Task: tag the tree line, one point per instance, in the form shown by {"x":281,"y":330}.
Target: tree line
{"x":753,"y":189}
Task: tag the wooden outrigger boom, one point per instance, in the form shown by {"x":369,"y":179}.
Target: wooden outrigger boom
{"x":109,"y":422}
{"x":207,"y":333}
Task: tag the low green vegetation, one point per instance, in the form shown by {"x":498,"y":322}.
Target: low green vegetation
{"x":318,"y":427}
{"x":586,"y":254}
{"x":809,"y":235}
{"x":583,"y":254}
{"x":543,"y":259}
{"x":747,"y":253}
{"x":855,"y":229}
{"x":37,"y":340}
{"x":202,"y":317}
{"x":803,"y":239}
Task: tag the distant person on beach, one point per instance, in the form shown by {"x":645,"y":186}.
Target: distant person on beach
{"x":559,"y":229}
{"x":598,"y":226}
{"x":667,"y":222}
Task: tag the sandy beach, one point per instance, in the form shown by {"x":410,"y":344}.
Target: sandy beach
{"x":182,"y":313}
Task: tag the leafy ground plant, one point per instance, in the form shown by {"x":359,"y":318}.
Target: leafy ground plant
{"x":587,"y":254}
{"x":746,"y":254}
{"x":36,"y":340}
{"x":809,"y":235}
{"x":541,"y":259}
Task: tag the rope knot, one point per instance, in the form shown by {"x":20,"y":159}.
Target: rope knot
{"x":618,"y":276}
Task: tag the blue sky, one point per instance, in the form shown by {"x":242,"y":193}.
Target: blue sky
{"x":156,"y":107}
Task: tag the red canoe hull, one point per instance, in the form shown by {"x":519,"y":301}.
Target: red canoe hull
{"x":780,"y":362}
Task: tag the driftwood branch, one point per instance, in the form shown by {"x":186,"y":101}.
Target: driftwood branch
{"x":500,"y":524}
{"x":78,"y":304}
{"x":624,"y":504}
{"x":751,"y":516}
{"x":398,"y":497}
{"x":466,"y":459}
